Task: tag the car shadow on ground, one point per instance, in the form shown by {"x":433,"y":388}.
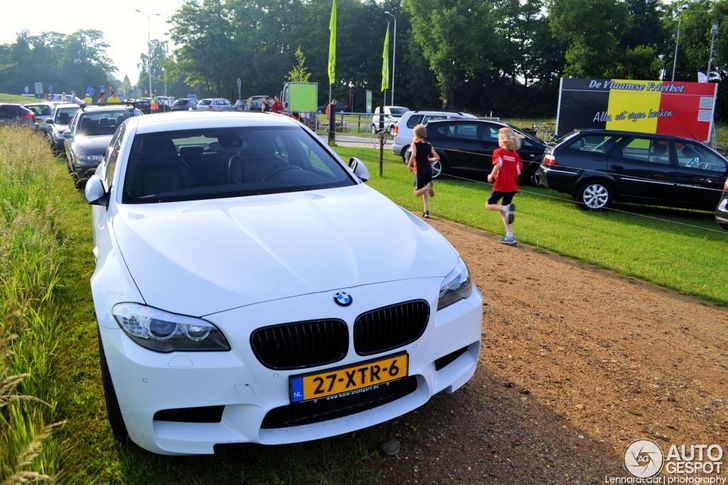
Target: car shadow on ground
{"x":490,"y":431}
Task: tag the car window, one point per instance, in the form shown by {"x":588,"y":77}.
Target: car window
{"x":490,"y":133}
{"x":397,"y":111}
{"x":594,"y":143}
{"x":40,"y":109}
{"x":697,"y":156}
{"x":64,"y":115}
{"x":414,"y":120}
{"x":228,"y":162}
{"x":466,"y":131}
{"x":101,"y":122}
{"x":647,"y":150}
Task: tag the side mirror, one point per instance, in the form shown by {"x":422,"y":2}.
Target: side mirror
{"x":95,"y":193}
{"x":67,"y":135}
{"x":359,"y":169}
{"x":49,"y":120}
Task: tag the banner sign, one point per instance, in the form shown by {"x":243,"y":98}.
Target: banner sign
{"x":664,"y":107}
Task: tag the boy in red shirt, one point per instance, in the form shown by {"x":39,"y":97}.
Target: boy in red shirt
{"x":507,"y":166}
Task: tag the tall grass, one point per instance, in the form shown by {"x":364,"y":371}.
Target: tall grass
{"x":30,"y":259}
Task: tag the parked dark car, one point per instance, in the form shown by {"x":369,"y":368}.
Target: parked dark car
{"x":721,"y":211}
{"x":467,"y":145}
{"x":143,"y":104}
{"x":600,"y":167}
{"x":89,"y":135}
{"x":14,"y":114}
{"x":184,"y":104}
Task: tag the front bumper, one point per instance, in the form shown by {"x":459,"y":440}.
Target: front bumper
{"x":147,"y":382}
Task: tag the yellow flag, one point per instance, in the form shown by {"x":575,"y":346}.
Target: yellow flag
{"x":385,"y":61}
{"x":332,"y":44}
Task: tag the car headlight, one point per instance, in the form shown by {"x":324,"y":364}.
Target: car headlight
{"x":167,"y":332}
{"x":456,"y":286}
{"x":90,"y":158}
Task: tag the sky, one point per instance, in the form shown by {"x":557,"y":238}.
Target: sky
{"x":124,"y":29}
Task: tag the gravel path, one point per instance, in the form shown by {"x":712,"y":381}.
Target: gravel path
{"x":576,"y":364}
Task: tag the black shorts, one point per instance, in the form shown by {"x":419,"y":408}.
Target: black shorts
{"x":422,"y":178}
{"x":495,"y":196}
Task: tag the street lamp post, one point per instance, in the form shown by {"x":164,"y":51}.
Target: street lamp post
{"x":394,"y":50}
{"x":713,"y":33}
{"x":677,"y":40}
{"x":149,"y":46}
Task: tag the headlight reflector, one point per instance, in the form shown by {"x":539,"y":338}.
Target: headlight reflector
{"x":167,"y":332}
{"x":456,"y":285}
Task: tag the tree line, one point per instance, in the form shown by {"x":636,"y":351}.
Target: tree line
{"x":499,"y":56}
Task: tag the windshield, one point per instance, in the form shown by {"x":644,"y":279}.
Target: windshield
{"x":101,"y":123}
{"x":228,"y":162}
{"x":64,"y":115}
{"x":40,"y":109}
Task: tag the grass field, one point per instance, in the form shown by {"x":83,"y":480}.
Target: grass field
{"x":680,"y":249}
{"x":12,"y":98}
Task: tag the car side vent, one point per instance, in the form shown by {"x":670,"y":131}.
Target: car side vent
{"x":390,"y":327}
{"x":300,"y":344}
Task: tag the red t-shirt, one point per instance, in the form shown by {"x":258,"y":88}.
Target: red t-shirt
{"x":511,"y":167}
{"x":277,"y":107}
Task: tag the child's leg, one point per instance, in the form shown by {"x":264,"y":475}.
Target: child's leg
{"x":426,"y":201}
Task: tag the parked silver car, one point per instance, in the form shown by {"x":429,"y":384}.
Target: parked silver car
{"x":214,"y":104}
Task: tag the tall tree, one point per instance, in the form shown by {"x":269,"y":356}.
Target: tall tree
{"x":592,"y":29}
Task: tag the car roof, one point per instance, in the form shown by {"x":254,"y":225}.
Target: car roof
{"x":67,"y":105}
{"x":469,"y":120}
{"x":601,"y":131}
{"x":108,"y":107}
{"x":439,"y":112}
{"x":184,"y":120}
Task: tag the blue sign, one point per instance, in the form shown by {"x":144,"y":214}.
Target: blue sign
{"x":50,"y":88}
{"x":90,"y":91}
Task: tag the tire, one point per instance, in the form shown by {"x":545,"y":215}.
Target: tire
{"x":595,"y":195}
{"x":437,"y":169}
{"x":723,"y":225}
{"x":112,"y":404}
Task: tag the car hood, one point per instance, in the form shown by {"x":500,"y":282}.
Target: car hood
{"x":91,"y":145}
{"x":203,"y":257}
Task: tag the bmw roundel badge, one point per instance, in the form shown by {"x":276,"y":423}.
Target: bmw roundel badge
{"x":342,"y":298}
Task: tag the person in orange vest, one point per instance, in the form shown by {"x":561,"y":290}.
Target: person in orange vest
{"x":155,"y":105}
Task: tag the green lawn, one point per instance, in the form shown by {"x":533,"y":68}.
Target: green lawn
{"x":12,"y":98}
{"x":680,"y":249}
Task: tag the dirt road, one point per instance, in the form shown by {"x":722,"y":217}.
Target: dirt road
{"x":576,"y":364}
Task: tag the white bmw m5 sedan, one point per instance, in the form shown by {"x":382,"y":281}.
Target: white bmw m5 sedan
{"x":250,"y":288}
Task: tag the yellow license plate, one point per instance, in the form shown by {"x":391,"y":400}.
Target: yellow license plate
{"x":346,"y":379}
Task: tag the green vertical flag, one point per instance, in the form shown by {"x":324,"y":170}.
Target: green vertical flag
{"x":332,"y":44}
{"x":385,"y":61}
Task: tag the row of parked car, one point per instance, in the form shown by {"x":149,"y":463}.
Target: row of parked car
{"x":597,"y":167}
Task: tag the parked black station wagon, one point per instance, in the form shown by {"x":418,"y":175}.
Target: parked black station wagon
{"x":467,"y":145}
{"x":599,"y":167}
